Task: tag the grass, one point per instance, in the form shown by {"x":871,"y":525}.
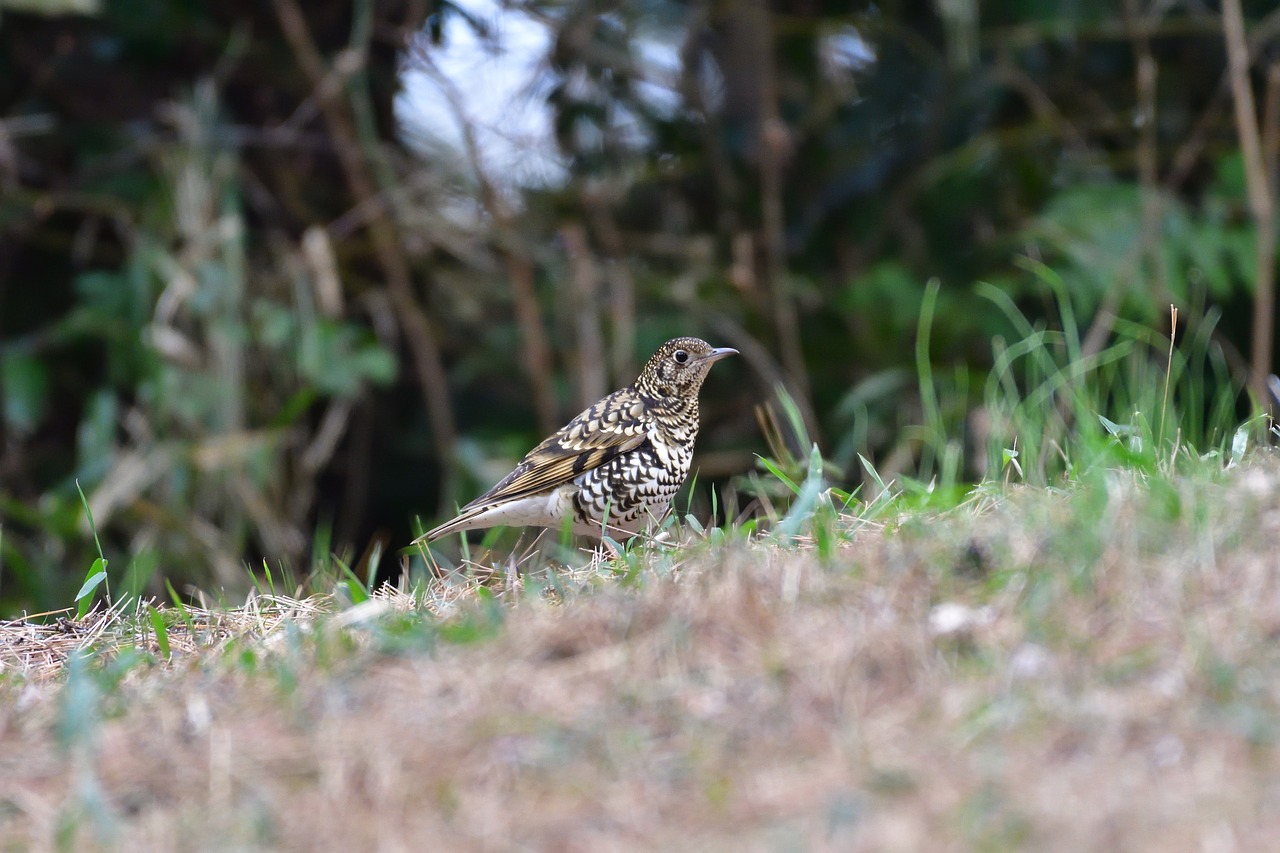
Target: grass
{"x":1077,"y":653}
{"x":1072,"y":668}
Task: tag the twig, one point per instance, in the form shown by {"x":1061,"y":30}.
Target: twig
{"x":1148,"y":254}
{"x":520,"y":268}
{"x":585,"y":283}
{"x":1261,"y":204}
{"x":1145,"y":82}
{"x":1271,"y":128}
{"x":1007,"y":72}
{"x":622,"y":289}
{"x":1104,"y":318}
{"x":421,"y":339}
{"x":1188,"y":154}
{"x":727,"y":190}
{"x":774,"y":143}
{"x":1168,"y":371}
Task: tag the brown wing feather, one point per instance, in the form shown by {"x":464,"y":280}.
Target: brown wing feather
{"x":611,"y":427}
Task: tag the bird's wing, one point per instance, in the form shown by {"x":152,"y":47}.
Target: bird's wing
{"x":602,"y":432}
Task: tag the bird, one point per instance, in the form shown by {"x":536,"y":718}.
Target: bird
{"x":613,"y":469}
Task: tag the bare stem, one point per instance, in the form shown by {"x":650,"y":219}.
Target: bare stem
{"x":363,"y":187}
{"x":774,"y":145}
{"x":519,"y":264}
{"x":1261,"y":203}
{"x":585,"y":281}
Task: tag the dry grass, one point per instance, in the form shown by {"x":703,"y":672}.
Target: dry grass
{"x":1090,"y":670}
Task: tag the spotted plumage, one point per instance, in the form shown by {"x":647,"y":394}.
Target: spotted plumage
{"x":615,"y":467}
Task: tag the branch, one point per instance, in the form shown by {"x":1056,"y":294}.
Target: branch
{"x":584,"y":278}
{"x":382,"y":229}
{"x":1261,"y":204}
{"x":774,"y":146}
{"x":520,"y":268}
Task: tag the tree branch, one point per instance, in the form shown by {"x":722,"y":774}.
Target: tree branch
{"x":424,"y":349}
{"x":1261,"y":204}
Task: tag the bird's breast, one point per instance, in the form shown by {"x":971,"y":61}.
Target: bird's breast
{"x":635,"y":487}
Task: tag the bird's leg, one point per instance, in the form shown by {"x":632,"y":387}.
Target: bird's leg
{"x":532,"y":545}
{"x":512,"y":574}
{"x":433,"y":566}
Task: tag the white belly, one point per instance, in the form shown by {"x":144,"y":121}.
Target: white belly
{"x":546,"y":510}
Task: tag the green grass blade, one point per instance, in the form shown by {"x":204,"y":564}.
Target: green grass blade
{"x":871,"y":470}
{"x":924,"y":372}
{"x":162,"y":632}
{"x":773,"y":468}
{"x":182,"y":608}
{"x":96,"y":575}
{"x":802,"y":508}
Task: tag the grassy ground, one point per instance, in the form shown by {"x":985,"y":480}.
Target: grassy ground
{"x":1094,"y":667}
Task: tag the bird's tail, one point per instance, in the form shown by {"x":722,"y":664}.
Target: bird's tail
{"x":460,"y":523}
{"x":476,"y":514}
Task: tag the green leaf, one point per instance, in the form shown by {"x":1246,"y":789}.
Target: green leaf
{"x":772,"y":468}
{"x":806,"y":501}
{"x":137,"y":574}
{"x":96,"y":435}
{"x":97,"y":574}
{"x":846,"y":499}
{"x":353,"y":586}
{"x":162,"y":632}
{"x":182,"y":608}
{"x":24,"y":389}
{"x":871,"y":469}
{"x":338,"y":359}
{"x":375,"y":363}
{"x":89,"y":514}
{"x":98,"y":571}
{"x":1117,"y":430}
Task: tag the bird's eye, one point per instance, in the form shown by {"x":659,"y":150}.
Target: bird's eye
{"x":681,"y":356}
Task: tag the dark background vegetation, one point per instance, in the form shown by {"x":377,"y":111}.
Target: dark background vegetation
{"x":238,"y":309}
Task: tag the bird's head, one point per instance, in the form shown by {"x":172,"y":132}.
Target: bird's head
{"x":678,"y":368}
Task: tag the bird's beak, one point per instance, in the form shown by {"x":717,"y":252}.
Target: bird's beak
{"x":718,"y":353}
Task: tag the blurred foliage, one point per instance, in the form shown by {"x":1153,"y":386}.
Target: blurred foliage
{"x":235,"y":306}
